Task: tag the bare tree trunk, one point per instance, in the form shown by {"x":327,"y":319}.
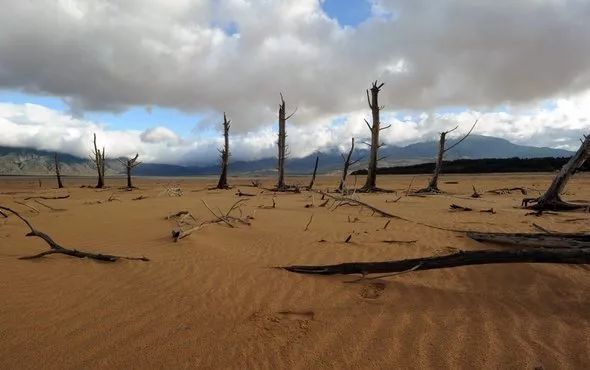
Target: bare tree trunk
{"x":129,"y":184}
{"x":129,"y":164}
{"x":347,"y":164}
{"x":315,"y":170}
{"x":98,"y":159}
{"x":373,"y":100}
{"x":57,"y":173}
{"x":433,"y":183}
{"x":282,"y":144}
{"x":551,"y":200}
{"x":222,"y":184}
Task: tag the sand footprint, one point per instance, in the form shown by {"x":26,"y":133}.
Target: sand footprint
{"x":372,"y":290}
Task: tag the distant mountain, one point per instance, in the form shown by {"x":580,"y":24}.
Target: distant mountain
{"x":24,"y":161}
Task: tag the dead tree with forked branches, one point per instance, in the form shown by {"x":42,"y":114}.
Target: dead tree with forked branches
{"x":551,"y":200}
{"x":98,"y":157}
{"x":60,"y":185}
{"x":375,"y":144}
{"x":433,"y":183}
{"x":282,"y":144}
{"x":129,"y":164}
{"x":224,"y":154}
{"x":347,"y":163}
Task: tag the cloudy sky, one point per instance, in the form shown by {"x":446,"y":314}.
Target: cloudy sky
{"x":155,"y":76}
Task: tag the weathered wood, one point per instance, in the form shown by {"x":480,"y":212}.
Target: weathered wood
{"x":98,"y":158}
{"x":57,"y":171}
{"x":375,"y":128}
{"x":359,"y":203}
{"x":225,"y":154}
{"x":433,"y":183}
{"x":315,"y":170}
{"x":282,"y":144}
{"x":463,"y":258}
{"x":347,"y":164}
{"x":56,"y":248}
{"x":547,"y":240}
{"x":456,"y":207}
{"x":66,"y":196}
{"x":501,"y":191}
{"x":551,"y":199}
{"x":129,"y":164}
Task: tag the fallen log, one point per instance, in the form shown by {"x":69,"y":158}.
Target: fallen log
{"x":456,"y":207}
{"x":48,"y":198}
{"x":547,"y":240}
{"x":463,"y":258}
{"x":501,"y":191}
{"x":55,"y":248}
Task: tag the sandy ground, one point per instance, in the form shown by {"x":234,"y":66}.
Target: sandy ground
{"x":213,"y":299}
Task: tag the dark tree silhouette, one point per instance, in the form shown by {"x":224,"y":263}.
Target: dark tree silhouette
{"x":282,"y":144}
{"x":57,"y":172}
{"x":433,"y":183}
{"x":315,"y":170}
{"x":98,"y":158}
{"x":551,"y":200}
{"x":374,"y":145}
{"x":225,"y":154}
{"x":347,"y":163}
{"x":129,"y":164}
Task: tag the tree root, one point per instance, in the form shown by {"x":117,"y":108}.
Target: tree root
{"x":429,"y":191}
{"x":542,"y":204}
{"x":56,"y":248}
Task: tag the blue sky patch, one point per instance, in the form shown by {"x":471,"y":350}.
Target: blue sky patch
{"x":348,"y":12}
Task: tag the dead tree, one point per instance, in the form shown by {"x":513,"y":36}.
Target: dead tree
{"x":433,"y":184}
{"x":129,"y":164}
{"x":98,"y":157}
{"x":282,"y":143}
{"x":347,"y":164}
{"x":57,"y":173}
{"x":315,"y":170}
{"x":375,"y":144}
{"x":225,"y":154}
{"x":551,"y":200}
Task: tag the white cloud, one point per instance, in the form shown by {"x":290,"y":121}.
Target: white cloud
{"x":159,"y":134}
{"x":110,"y":54}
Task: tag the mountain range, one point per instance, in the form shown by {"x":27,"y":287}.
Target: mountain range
{"x":26,"y":161}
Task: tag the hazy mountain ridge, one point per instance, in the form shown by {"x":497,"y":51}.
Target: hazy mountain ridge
{"x":25,"y":161}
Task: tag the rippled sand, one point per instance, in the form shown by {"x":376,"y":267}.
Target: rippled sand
{"x":213,"y":299}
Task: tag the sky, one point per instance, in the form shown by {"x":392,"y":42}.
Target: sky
{"x":154,"y":77}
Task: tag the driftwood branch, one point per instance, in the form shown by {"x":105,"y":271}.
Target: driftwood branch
{"x":54,"y":247}
{"x":463,"y":258}
{"x":48,"y":197}
{"x":545,"y":239}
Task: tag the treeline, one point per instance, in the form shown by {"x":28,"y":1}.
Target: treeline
{"x":487,"y":165}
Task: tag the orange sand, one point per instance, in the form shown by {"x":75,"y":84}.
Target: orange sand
{"x":213,"y":301}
